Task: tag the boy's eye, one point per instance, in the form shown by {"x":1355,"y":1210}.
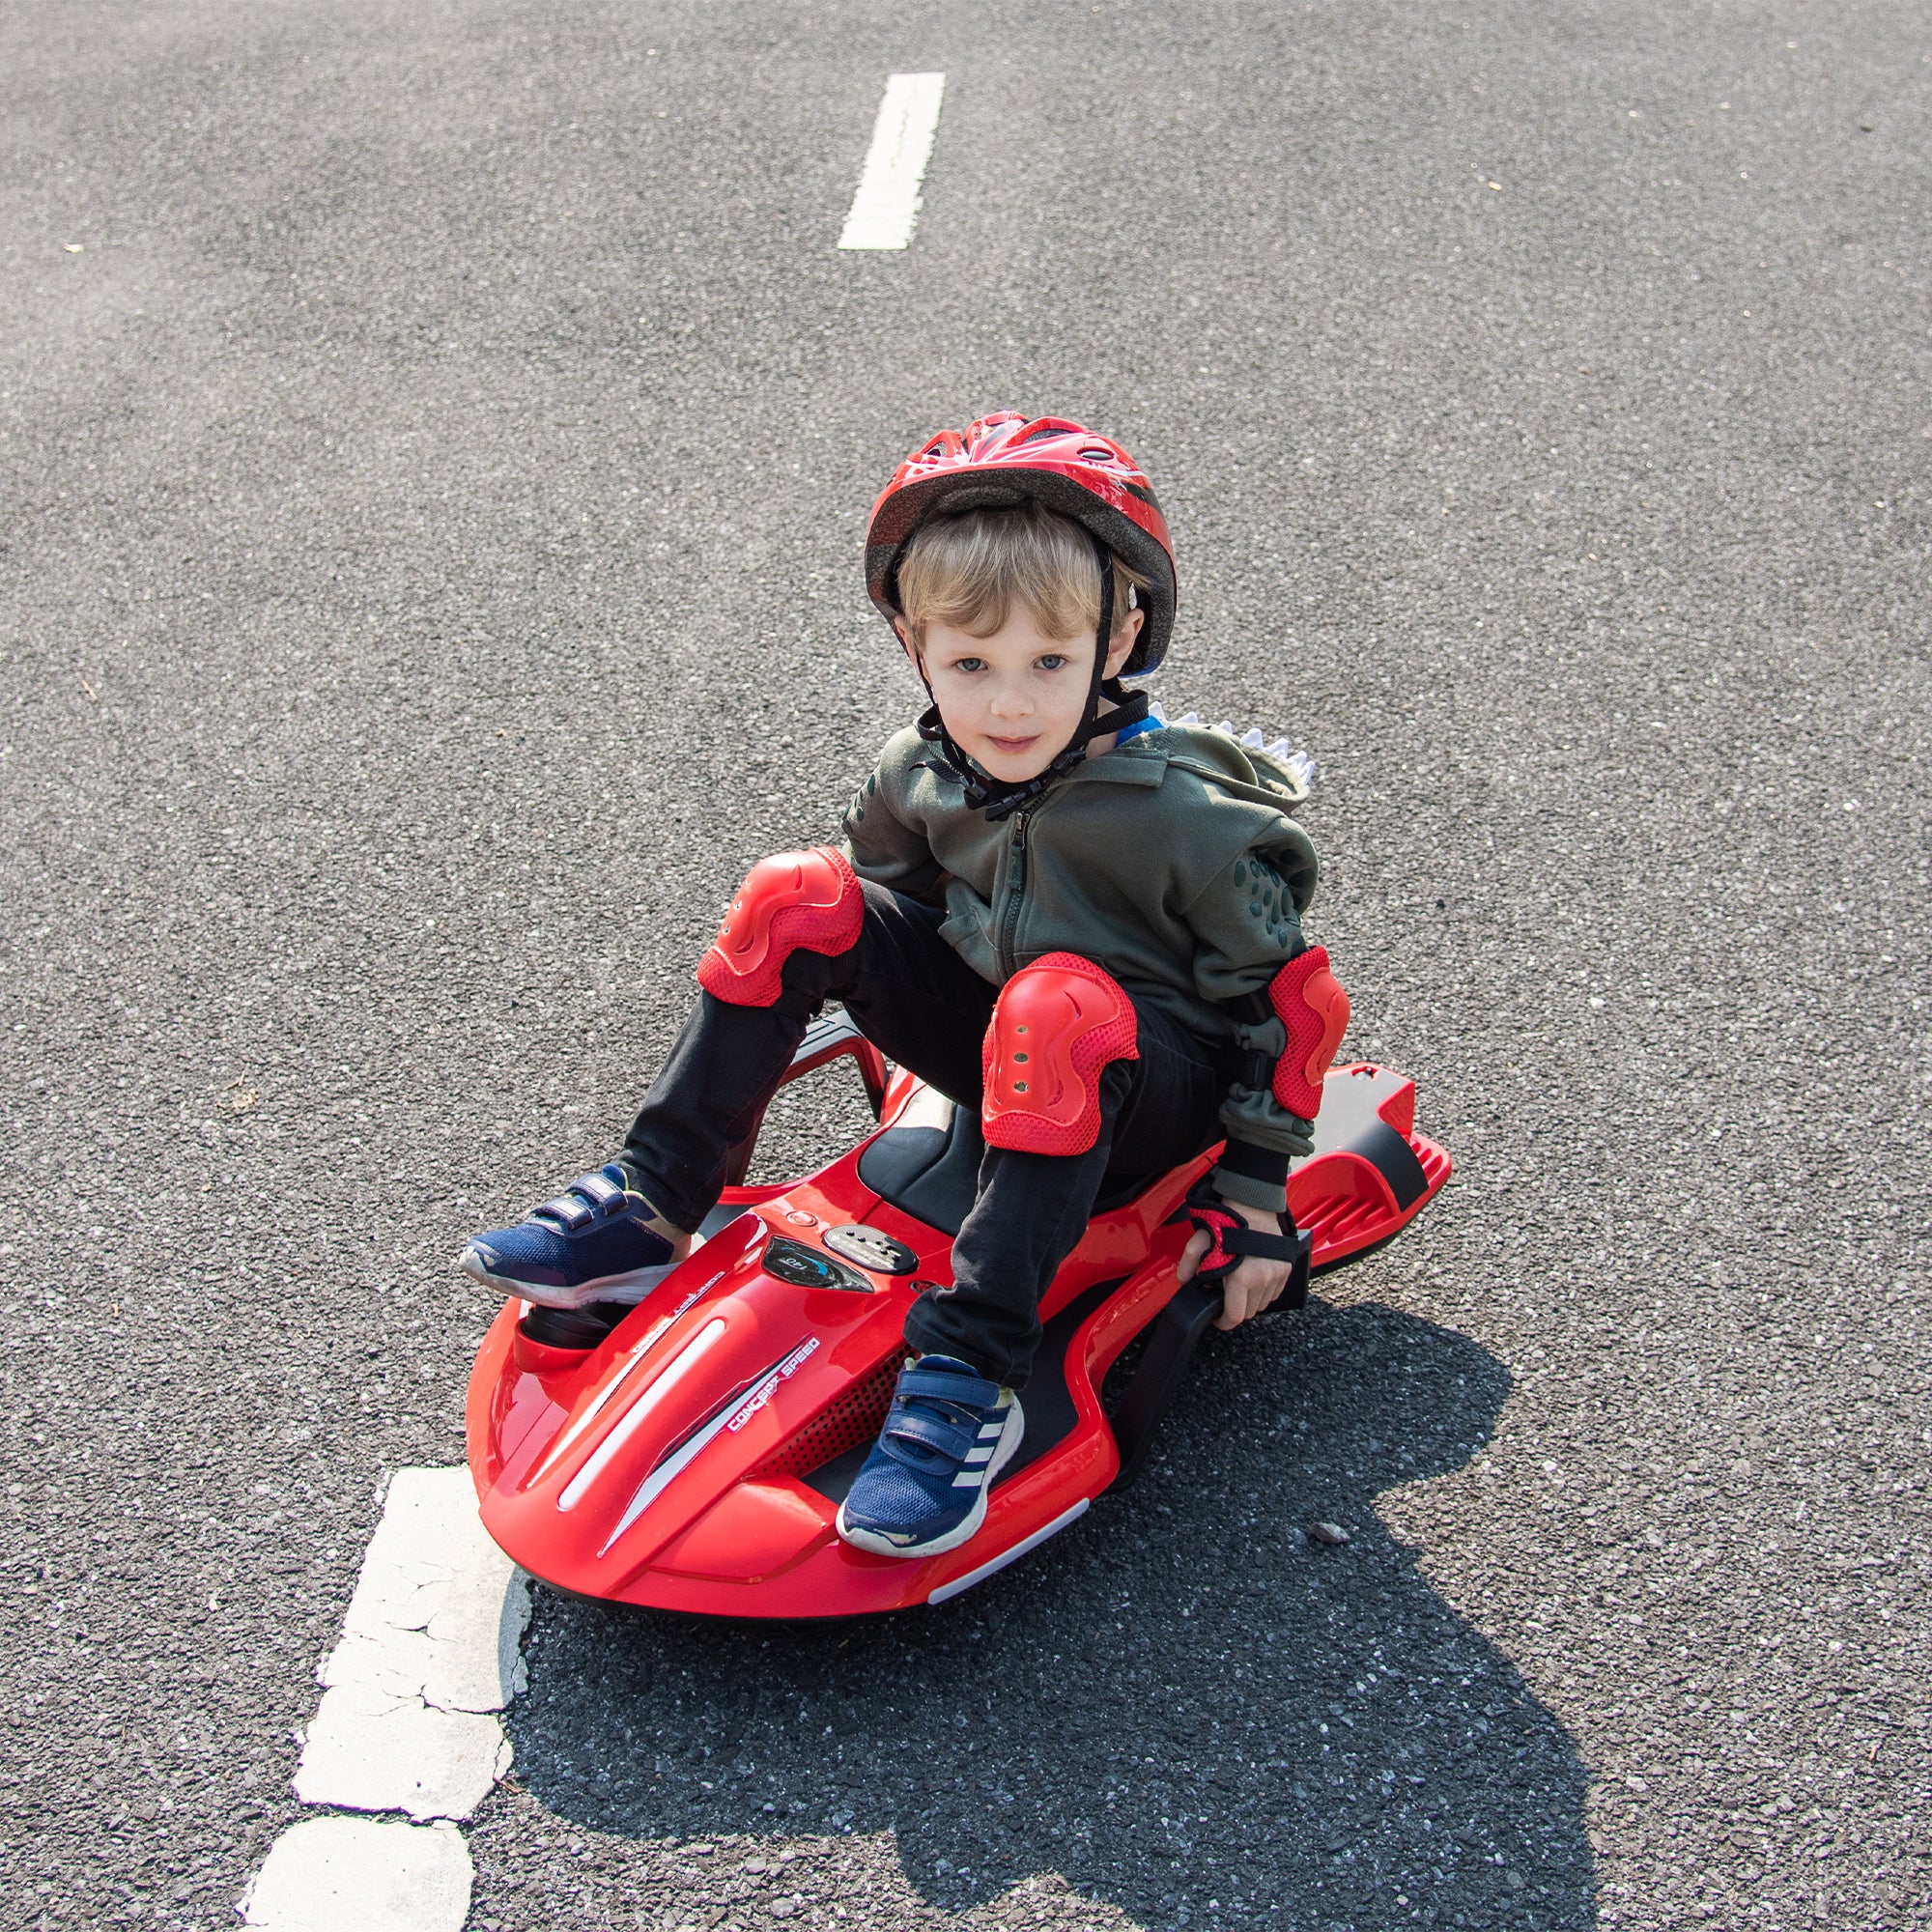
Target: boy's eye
{"x":969,"y":664}
{"x":1052,"y":661}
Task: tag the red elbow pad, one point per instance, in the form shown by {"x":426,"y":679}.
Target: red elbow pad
{"x":810,"y":900}
{"x":1056,"y":1026}
{"x":1310,"y":1003}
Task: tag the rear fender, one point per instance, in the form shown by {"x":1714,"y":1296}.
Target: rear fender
{"x":1370,"y":1173}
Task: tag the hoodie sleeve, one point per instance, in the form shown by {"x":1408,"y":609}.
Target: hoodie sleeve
{"x":1247,"y":926}
{"x":881,"y":846}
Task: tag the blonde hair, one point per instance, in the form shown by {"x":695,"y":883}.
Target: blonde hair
{"x":968,"y":570}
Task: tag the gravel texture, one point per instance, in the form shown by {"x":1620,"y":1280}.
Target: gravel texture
{"x":433,"y":445}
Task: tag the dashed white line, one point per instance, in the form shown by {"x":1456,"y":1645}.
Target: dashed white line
{"x":409,"y":1724}
{"x":884,"y":209}
{"x":337,"y":1874}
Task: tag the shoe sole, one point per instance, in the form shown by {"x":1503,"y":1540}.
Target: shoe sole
{"x":626,"y":1290}
{"x":968,"y":1527}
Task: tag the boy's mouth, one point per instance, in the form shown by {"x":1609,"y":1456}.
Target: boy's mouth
{"x":1012,"y":746}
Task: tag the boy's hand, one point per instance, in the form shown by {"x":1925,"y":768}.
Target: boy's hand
{"x":1253,"y":1283}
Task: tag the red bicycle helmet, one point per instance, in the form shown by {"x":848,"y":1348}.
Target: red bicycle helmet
{"x":1006,"y":459}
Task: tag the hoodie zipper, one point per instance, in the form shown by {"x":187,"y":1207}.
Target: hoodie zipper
{"x":1009,"y":913}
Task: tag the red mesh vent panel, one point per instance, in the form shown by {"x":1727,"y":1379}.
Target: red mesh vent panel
{"x":842,"y":1424}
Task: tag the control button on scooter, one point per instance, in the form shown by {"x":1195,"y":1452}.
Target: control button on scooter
{"x":871,"y":1248}
{"x":805,"y":1267}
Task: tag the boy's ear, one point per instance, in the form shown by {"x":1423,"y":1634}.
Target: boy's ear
{"x":905,"y":637}
{"x":1122,"y":646}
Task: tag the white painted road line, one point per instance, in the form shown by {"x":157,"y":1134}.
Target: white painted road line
{"x":888,"y":199}
{"x":429,"y":1656}
{"x":363,"y":1875}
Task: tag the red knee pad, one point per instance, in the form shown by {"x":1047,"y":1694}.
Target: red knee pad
{"x":1310,"y":1004}
{"x":792,"y":899}
{"x":1055,"y":1025}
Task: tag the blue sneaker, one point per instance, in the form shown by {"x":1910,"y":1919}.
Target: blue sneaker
{"x":922,"y":1489}
{"x":599,"y":1240}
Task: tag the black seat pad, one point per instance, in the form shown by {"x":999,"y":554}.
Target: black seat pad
{"x":932,"y":1172}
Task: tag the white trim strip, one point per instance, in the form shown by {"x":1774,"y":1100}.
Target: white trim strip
{"x":668,"y":1378}
{"x":681,"y":1458}
{"x":887,"y":203}
{"x":632,"y":1357}
{"x":1013,"y":1555}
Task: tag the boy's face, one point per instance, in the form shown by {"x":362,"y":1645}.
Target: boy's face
{"x":1010,"y":701}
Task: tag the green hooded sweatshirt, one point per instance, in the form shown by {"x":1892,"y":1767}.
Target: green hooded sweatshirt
{"x":1171,"y":861}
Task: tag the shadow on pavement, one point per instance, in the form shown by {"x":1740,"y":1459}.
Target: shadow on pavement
{"x":1182,"y":1706}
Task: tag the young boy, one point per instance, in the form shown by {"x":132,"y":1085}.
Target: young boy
{"x":1081,"y":924}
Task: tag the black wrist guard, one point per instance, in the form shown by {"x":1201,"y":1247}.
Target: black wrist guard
{"x":1232,"y":1239}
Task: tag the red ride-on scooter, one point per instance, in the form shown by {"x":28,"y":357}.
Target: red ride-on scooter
{"x":691,"y":1453}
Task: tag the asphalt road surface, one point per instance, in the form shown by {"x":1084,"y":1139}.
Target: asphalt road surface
{"x":434,"y":449}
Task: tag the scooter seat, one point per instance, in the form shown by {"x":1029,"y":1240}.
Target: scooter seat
{"x":930,"y":1169}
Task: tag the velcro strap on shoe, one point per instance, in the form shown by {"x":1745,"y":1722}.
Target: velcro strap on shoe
{"x":590,"y":1198}
{"x":937,"y":1385}
{"x":570,"y":1213}
{"x":599,"y":1188}
{"x":929,"y":1431}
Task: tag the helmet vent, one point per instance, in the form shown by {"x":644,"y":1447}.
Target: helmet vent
{"x":1003,"y":460}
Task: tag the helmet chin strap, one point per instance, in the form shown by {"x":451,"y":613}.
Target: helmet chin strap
{"x":1000,"y":798}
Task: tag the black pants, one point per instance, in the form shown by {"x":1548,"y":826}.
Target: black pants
{"x":916,"y":999}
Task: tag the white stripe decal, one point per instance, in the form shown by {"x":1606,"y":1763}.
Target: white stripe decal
{"x":631,"y":1360}
{"x":887,"y":202}
{"x":1013,"y":1555}
{"x":676,"y":1463}
{"x":668,"y":1380}
{"x":632,"y":1357}
{"x":733,"y":1417}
